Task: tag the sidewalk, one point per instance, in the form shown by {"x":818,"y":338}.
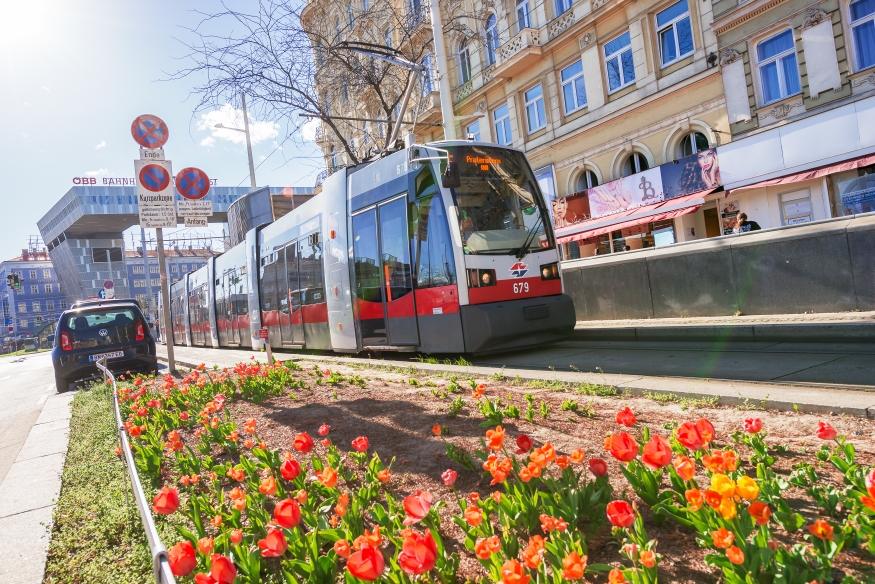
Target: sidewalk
{"x":29,"y":492}
{"x":834,"y":327}
{"x":785,"y":397}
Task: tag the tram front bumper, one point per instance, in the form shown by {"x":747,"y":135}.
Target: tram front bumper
{"x":516,"y":324}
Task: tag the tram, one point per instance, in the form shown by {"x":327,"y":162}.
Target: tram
{"x":445,"y":247}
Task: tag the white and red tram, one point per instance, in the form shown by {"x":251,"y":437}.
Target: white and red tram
{"x":438,"y":248}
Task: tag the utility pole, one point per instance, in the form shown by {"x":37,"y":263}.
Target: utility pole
{"x":440,"y":57}
{"x":165,"y":297}
{"x":248,"y":141}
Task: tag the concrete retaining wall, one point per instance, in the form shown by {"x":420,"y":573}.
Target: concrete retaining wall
{"x":826,"y":266}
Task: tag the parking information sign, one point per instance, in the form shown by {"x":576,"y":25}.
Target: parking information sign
{"x":195,"y":221}
{"x":154,"y":184}
{"x":162,"y":216}
{"x":188,"y":208}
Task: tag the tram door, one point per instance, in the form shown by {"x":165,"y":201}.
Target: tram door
{"x":383,"y":277}
{"x":231,"y":281}
{"x":289,"y":295}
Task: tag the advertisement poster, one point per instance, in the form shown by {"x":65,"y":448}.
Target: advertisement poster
{"x":728,"y":211}
{"x":858,"y":195}
{"x":632,"y":191}
{"x":693,"y":174}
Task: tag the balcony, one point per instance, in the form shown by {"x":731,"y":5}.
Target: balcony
{"x":514,"y":56}
{"x":430,"y":109}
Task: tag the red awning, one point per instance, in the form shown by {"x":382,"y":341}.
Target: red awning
{"x":811,"y":174}
{"x":637,"y":216}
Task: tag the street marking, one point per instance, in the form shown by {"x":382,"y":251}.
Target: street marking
{"x":50,"y":388}
{"x":42,"y":400}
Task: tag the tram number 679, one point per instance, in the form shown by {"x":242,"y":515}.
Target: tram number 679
{"x":521,"y":288}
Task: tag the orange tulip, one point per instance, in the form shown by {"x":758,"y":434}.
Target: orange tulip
{"x":473,"y":516}
{"x":656,"y":453}
{"x":341,"y":548}
{"x":760,"y":512}
{"x":573,"y":566}
{"x":367,"y":564}
{"x":166,"y":501}
{"x":821,"y":529}
{"x":205,"y":545}
{"x":647,"y":558}
{"x":512,"y":572}
{"x":685,"y":467}
{"x":577,"y":456}
{"x":706,"y":430}
{"x":249,"y":426}
{"x":549,"y":452}
{"x":384,"y":476}
{"x":216,"y":521}
{"x":713,"y":498}
{"x":327,"y":476}
{"x":622,"y":446}
{"x":688,"y":435}
{"x":714,"y":461}
{"x":735,"y":555}
{"x":730,"y":461}
{"x":274,"y":544}
{"x":562,"y":461}
{"x":417,"y":507}
{"x":532,"y":556}
{"x":268,"y":486}
{"x":616,"y":576}
{"x":495,"y":438}
{"x":236,"y":536}
{"x":626,"y":417}
{"x":288,"y":513}
{"x":484,"y":548}
{"x":182,"y":558}
{"x":436,"y":430}
{"x":695,"y":498}
{"x":722,"y":538}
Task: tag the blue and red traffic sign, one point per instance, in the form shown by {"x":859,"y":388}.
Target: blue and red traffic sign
{"x":192,"y":183}
{"x":150,"y":131}
{"x":154,"y":178}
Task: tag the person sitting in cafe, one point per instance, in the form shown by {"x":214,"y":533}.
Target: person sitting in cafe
{"x":742,"y":225}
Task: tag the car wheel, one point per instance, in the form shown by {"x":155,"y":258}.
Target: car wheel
{"x":61,"y":384}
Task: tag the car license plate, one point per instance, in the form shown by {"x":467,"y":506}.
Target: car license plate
{"x":113,"y":355}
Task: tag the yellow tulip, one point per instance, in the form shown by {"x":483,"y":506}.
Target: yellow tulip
{"x":727,"y":509}
{"x":747,"y":488}
{"x":723,"y":485}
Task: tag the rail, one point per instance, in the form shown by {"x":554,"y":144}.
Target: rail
{"x":160,"y":562}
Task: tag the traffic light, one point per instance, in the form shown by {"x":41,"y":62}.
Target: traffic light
{"x":16,"y":283}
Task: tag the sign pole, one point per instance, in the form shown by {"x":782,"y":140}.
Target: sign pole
{"x":165,"y":296}
{"x":149,"y":299}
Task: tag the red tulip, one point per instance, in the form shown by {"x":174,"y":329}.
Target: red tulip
{"x":622,"y":446}
{"x":626,"y":417}
{"x":524,"y":443}
{"x":417,"y":506}
{"x":366,"y":564}
{"x":303,"y":442}
{"x":236,"y":536}
{"x":598,"y":467}
{"x":706,"y":430}
{"x":341,"y":548}
{"x":287,"y":513}
{"x":290,"y":469}
{"x":753,"y":425}
{"x":825,"y":431}
{"x":274,"y":544}
{"x":324,"y":429}
{"x":418,"y":553}
{"x":182,"y":558}
{"x":689,"y":436}
{"x":360,"y":444}
{"x":166,"y":501}
{"x":870,"y":483}
{"x":222,"y":570}
{"x":620,"y":513}
{"x":449,"y":477}
{"x":656,"y":453}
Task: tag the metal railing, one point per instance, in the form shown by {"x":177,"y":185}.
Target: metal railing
{"x":160,"y":562}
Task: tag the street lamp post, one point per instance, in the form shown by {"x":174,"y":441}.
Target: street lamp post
{"x":245,"y":130}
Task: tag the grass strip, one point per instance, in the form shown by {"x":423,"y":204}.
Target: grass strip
{"x":97,"y":535}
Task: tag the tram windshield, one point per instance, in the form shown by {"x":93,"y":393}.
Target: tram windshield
{"x":500,"y":208}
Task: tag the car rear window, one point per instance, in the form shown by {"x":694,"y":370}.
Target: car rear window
{"x":101,"y":318}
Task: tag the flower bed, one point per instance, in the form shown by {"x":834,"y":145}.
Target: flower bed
{"x":321,"y":475}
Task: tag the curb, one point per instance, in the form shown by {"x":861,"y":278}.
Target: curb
{"x":728,"y":393}
{"x":768,"y":332}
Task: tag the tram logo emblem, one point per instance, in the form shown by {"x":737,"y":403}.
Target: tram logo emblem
{"x":518,"y":270}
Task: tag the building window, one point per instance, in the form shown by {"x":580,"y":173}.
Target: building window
{"x":573,"y":89}
{"x":562,"y":6}
{"x":491,"y":39}
{"x":174,"y":268}
{"x":675,"y":33}
{"x":344,"y":90}
{"x":23,"y":323}
{"x":634,"y":164}
{"x":33,"y":274}
{"x":153,"y":269}
{"x":139,"y":283}
{"x":464,"y":63}
{"x":50,"y":305}
{"x":332,"y":157}
{"x":776,"y":60}
{"x":156,"y":281}
{"x":692,"y":143}
{"x":522,"y":14}
{"x":365,"y":5}
{"x":184,"y":267}
{"x":501,"y":118}
{"x":349,"y":15}
{"x":47,"y":273}
{"x":63,"y":305}
{"x":618,"y":62}
{"x":337,"y":26}
{"x":587,"y":180}
{"x":473,"y":130}
{"x":48,"y":288}
{"x":535,"y":115}
{"x":34,"y":289}
{"x":863,"y":31}
{"x":426,"y":79}
{"x":22,"y":307}
{"x":36,"y":306}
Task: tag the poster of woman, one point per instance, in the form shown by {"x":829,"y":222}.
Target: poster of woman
{"x":692,"y":174}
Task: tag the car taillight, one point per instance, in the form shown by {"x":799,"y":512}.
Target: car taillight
{"x":550,"y":271}
{"x":66,"y":345}
{"x":141,"y":334}
{"x":481,"y":278}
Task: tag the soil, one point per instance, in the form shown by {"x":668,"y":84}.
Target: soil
{"x":397,"y":418}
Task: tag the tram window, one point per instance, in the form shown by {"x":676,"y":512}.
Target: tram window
{"x":431,"y":243}
{"x":365,"y":262}
{"x":310,"y":270}
{"x":268,"y":284}
{"x":292,"y":275}
{"x":395,"y":261}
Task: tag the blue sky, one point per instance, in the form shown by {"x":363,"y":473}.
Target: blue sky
{"x":77,"y":72}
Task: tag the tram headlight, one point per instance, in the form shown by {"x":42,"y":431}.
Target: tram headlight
{"x":550,"y":271}
{"x":481,"y":278}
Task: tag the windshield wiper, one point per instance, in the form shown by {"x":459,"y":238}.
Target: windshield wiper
{"x":523,"y":250}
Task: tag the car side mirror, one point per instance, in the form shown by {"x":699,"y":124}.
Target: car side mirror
{"x":451,"y":179}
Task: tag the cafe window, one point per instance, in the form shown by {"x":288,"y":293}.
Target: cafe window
{"x":796,"y":207}
{"x":852,"y":192}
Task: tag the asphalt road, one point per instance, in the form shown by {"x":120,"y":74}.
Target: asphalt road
{"x":26,"y":381}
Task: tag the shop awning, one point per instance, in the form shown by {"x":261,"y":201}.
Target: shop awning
{"x":638,"y":216}
{"x":810,"y":174}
